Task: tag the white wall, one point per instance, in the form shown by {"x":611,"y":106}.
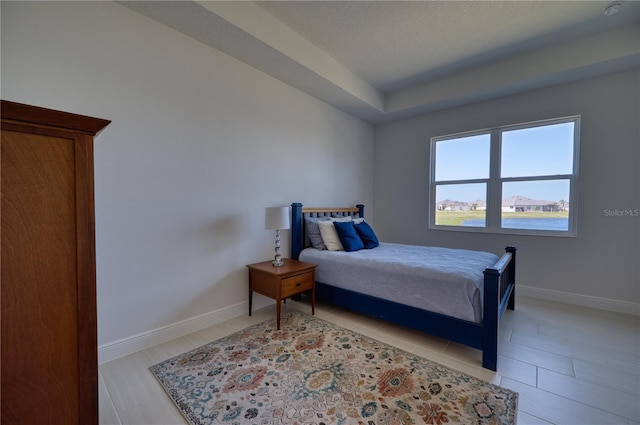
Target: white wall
{"x":600,"y":266}
{"x":199,"y":145}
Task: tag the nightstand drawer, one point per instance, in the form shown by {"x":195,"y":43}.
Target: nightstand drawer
{"x":296,"y":284}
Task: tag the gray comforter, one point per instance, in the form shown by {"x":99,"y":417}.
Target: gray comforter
{"x":442,"y":280}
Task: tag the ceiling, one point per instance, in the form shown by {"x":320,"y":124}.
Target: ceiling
{"x":386,"y":60}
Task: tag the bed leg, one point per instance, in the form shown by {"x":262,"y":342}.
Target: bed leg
{"x":490,"y":359}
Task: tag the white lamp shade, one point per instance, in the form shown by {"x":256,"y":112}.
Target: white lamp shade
{"x":276,"y":218}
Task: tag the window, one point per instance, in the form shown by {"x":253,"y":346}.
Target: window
{"x":512,"y":179}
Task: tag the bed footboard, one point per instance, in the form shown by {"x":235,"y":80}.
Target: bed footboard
{"x":499,"y":294}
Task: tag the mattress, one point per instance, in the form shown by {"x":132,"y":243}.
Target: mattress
{"x":441,"y":280}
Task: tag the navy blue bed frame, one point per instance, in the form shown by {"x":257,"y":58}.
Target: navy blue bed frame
{"x":499,"y":293}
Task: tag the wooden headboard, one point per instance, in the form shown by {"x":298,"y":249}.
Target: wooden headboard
{"x":298,"y":214}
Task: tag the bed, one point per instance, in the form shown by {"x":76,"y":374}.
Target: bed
{"x":463,"y":302}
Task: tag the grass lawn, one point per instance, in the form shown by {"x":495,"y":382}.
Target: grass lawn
{"x":455,"y":218}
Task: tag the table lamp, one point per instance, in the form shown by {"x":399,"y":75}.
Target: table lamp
{"x":277,"y":218}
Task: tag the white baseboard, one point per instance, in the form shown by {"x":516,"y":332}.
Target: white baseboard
{"x":578,"y":299}
{"x":125,"y":346}
{"x":132,"y":344}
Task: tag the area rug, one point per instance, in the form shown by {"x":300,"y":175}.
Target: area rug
{"x":315,"y":372}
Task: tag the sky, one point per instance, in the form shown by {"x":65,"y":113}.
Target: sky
{"x":538,"y":151}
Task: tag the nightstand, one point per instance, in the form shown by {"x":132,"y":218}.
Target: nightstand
{"x":282,"y":282}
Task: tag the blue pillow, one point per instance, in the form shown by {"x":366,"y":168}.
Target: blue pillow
{"x":367,"y":235}
{"x":348,"y":236}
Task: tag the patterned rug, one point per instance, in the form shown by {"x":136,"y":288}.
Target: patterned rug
{"x":314,"y":372}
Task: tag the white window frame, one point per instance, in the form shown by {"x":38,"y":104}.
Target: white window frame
{"x":494,"y":182}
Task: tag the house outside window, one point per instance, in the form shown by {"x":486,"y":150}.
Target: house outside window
{"x":518,"y":179}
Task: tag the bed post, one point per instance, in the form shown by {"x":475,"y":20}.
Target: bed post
{"x":511,"y":276}
{"x":297,"y":235}
{"x":490,"y":315}
{"x":360,"y":210}
{"x":498,"y":281}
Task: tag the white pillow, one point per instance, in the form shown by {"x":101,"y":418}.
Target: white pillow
{"x":330,"y":235}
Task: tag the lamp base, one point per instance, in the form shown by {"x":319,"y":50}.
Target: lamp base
{"x":277,"y":262}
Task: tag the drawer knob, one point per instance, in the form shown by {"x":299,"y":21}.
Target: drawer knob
{"x":298,"y":284}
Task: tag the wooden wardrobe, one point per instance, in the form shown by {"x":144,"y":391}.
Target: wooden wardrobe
{"x":49,"y":364}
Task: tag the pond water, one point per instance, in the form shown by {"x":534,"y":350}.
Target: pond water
{"x":557,"y":224}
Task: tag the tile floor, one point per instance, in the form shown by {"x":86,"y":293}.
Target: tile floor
{"x":570,"y":365}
